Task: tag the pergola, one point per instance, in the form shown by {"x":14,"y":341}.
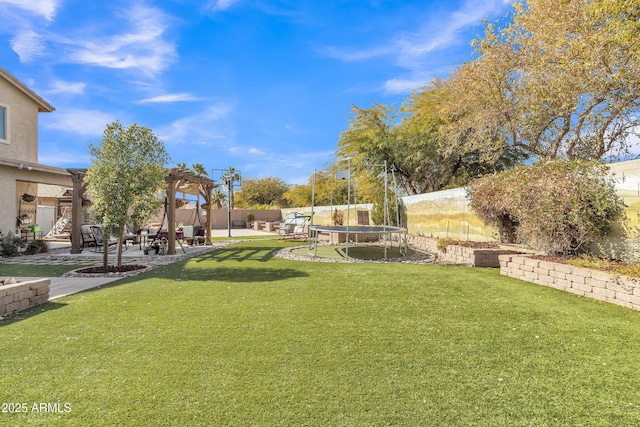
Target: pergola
{"x":176,"y":181}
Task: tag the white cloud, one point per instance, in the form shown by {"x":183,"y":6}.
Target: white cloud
{"x":201,"y":128}
{"x":28,"y":45}
{"x":221,"y":4}
{"x":414,"y":51}
{"x":44,"y":8}
{"x":142,"y":47}
{"x":56,"y":157}
{"x":70,"y":88}
{"x":169,"y":97}
{"x":81,"y":122}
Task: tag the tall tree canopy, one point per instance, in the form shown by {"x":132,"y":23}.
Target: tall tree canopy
{"x":414,"y":146}
{"x":557,"y":81}
{"x":126,"y":173}
{"x":263,"y":193}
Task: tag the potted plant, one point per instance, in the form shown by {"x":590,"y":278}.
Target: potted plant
{"x":28,"y":197}
{"x":250,"y":218}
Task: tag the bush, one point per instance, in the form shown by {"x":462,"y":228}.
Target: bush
{"x":11,"y":245}
{"x":36,"y":247}
{"x":444,"y":242}
{"x":557,"y":207}
{"x":250,"y":217}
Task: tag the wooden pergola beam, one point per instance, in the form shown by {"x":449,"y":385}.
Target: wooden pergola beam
{"x":79,"y":188}
{"x":174,"y":180}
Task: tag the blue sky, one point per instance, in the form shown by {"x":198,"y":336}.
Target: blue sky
{"x":265,"y":86}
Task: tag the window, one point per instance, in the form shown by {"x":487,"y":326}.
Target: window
{"x":363,"y":217}
{"x":3,"y":122}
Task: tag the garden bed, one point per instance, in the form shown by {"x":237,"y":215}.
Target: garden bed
{"x":597,"y":284}
{"x":474,"y":254}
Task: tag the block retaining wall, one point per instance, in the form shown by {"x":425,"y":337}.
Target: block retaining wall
{"x":23,"y":295}
{"x":585,"y":282}
{"x":475,"y":257}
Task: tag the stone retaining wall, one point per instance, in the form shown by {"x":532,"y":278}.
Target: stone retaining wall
{"x":585,"y":282}
{"x":23,"y":295}
{"x":455,"y":254}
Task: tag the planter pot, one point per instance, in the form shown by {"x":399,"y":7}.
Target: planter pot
{"x":151,"y":251}
{"x":28,"y":198}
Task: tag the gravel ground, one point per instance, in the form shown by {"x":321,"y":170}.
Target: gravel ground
{"x":416,"y":258}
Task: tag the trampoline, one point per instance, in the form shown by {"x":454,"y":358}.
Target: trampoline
{"x":386,"y":233}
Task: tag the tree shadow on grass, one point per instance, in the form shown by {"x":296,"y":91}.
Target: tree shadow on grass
{"x":240,"y":254}
{"x":242,"y":274}
{"x":29,"y":313}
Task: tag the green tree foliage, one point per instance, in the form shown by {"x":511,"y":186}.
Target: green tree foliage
{"x":218,"y":197}
{"x":328,"y":190}
{"x":265,"y":192}
{"x":126,"y":173}
{"x":556,"y":82}
{"x":413,"y":143}
{"x":557,"y":207}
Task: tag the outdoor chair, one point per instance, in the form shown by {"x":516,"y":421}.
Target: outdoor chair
{"x":99,"y":238}
{"x":87,"y":236}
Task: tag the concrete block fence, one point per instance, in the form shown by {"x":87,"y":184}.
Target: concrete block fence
{"x":596,"y":284}
{"x":23,"y":295}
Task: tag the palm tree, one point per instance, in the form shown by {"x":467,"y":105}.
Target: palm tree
{"x":198,"y":169}
{"x":229,"y":178}
{"x":218,"y":197}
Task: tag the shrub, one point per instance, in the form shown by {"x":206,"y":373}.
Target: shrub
{"x":11,"y":245}
{"x":250,"y":217}
{"x":443,"y":243}
{"x":557,"y":207}
{"x":36,"y":247}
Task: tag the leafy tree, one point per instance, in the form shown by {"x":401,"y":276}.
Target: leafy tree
{"x":327,"y":190}
{"x":413,"y":144}
{"x":264,"y":192}
{"x":553,"y":206}
{"x":127,"y":171}
{"x":557,"y":81}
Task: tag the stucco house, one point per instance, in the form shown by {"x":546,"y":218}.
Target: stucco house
{"x":20,"y":172}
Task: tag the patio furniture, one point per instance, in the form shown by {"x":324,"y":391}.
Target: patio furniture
{"x":98,"y":234}
{"x":87,"y":236}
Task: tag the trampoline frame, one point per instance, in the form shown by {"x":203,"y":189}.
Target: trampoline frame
{"x":385,"y":231}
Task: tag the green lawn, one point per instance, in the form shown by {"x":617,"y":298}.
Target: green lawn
{"x":30,"y":270}
{"x":240,"y":338}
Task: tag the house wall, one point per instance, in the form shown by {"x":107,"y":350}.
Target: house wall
{"x":21,"y":147}
{"x":22,"y":130}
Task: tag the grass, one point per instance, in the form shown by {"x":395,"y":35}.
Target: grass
{"x":31,"y":270}
{"x":241,"y":338}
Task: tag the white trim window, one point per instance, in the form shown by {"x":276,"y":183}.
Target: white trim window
{"x":4,"y":123}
